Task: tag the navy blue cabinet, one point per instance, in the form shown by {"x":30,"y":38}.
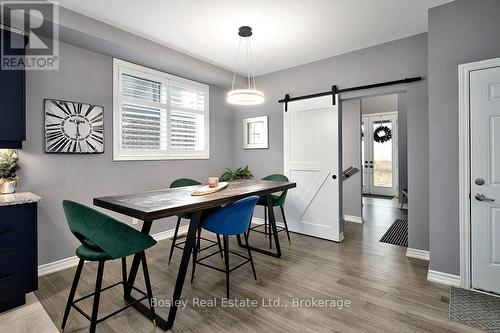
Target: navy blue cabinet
{"x":12,"y":100}
{"x":18,"y":253}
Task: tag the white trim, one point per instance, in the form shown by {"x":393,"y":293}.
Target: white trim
{"x":352,"y":218}
{"x":418,"y":254}
{"x":378,"y":114}
{"x":444,"y":278}
{"x":121,"y":66}
{"x":464,"y":164}
{"x":57,"y":265}
{"x":169,"y":234}
{"x":260,"y":220}
{"x":66,"y":263}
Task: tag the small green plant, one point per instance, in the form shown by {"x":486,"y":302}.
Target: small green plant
{"x":240,"y":173}
{"x":9,"y":165}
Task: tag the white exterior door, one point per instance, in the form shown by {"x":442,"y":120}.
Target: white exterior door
{"x":380,"y":159}
{"x":485,"y":178}
{"x":312,"y":160}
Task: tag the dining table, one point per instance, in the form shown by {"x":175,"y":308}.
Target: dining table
{"x":154,"y":205}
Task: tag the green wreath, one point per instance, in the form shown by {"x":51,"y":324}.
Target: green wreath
{"x":382,"y":134}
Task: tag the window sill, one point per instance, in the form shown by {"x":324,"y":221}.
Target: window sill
{"x":160,"y":158}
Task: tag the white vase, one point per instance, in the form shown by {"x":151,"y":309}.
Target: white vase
{"x":8,"y":187}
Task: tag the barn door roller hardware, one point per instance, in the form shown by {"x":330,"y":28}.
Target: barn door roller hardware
{"x":334,"y":91}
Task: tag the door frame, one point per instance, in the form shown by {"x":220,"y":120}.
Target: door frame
{"x":395,"y":146}
{"x":464,"y":151}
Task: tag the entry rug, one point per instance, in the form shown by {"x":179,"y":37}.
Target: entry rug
{"x":397,"y":234}
{"x":475,"y":309}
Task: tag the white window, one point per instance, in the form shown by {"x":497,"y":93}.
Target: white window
{"x":157,"y":116}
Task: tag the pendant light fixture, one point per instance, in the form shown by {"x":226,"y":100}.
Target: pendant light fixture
{"x":250,"y":95}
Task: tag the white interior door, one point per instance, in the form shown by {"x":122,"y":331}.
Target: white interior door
{"x":380,"y":160}
{"x":312,"y":159}
{"x":485,"y":178}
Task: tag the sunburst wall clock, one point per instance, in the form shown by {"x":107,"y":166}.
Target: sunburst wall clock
{"x":73,"y":128}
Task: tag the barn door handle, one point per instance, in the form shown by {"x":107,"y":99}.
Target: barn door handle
{"x":482,"y":197}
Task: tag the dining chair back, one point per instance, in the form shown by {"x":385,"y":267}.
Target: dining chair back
{"x":232,"y":219}
{"x":276,"y":201}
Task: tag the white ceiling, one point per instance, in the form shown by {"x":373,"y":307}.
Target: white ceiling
{"x":287,"y":33}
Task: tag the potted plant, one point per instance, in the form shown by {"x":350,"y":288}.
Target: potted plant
{"x":9,"y":165}
{"x":240,"y":173}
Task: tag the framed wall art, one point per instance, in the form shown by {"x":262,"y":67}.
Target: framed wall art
{"x":73,"y":127}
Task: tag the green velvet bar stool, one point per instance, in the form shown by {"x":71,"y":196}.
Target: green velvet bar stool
{"x":103,"y":238}
{"x":182,"y":182}
{"x":277,"y":201}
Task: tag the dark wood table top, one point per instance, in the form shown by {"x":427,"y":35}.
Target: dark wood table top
{"x":158,"y":204}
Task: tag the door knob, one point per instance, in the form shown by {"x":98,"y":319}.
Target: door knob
{"x":479,"y":181}
{"x":482,"y":197}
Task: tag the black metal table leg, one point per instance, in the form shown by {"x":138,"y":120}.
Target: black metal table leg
{"x":145,"y":310}
{"x":181,"y":275}
{"x":272,"y":224}
{"x":146,"y":228}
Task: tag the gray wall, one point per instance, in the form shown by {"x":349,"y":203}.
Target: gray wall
{"x":351,"y":155}
{"x":389,"y":61}
{"x":86,"y":76}
{"x":379,"y":104}
{"x":91,"y":34}
{"x":459,"y":32}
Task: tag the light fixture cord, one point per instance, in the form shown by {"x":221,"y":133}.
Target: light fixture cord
{"x":248,"y":62}
{"x":251,"y":66}
{"x":236,"y":63}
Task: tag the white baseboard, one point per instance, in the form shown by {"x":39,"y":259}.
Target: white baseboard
{"x":63,"y":264}
{"x":444,"y":278}
{"x":260,"y":220}
{"x":352,"y":218}
{"x":417,"y":254}
{"x":169,"y":234}
{"x":57,"y":266}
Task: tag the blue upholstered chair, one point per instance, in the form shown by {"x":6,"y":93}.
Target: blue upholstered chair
{"x":230,"y":220}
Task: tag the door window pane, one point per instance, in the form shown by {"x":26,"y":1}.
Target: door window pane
{"x":382,"y":158}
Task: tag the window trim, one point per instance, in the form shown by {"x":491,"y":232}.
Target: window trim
{"x":121,"y":66}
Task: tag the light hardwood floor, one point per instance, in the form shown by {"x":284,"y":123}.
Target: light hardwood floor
{"x":388,"y":292}
{"x":30,"y":317}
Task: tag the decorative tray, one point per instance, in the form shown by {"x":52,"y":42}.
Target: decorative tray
{"x":209,"y":190}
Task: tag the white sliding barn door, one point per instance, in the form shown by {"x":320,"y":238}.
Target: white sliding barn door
{"x":485,"y":178}
{"x":312,"y":160}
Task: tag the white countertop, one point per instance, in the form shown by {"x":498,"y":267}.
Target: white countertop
{"x":18,"y":198}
